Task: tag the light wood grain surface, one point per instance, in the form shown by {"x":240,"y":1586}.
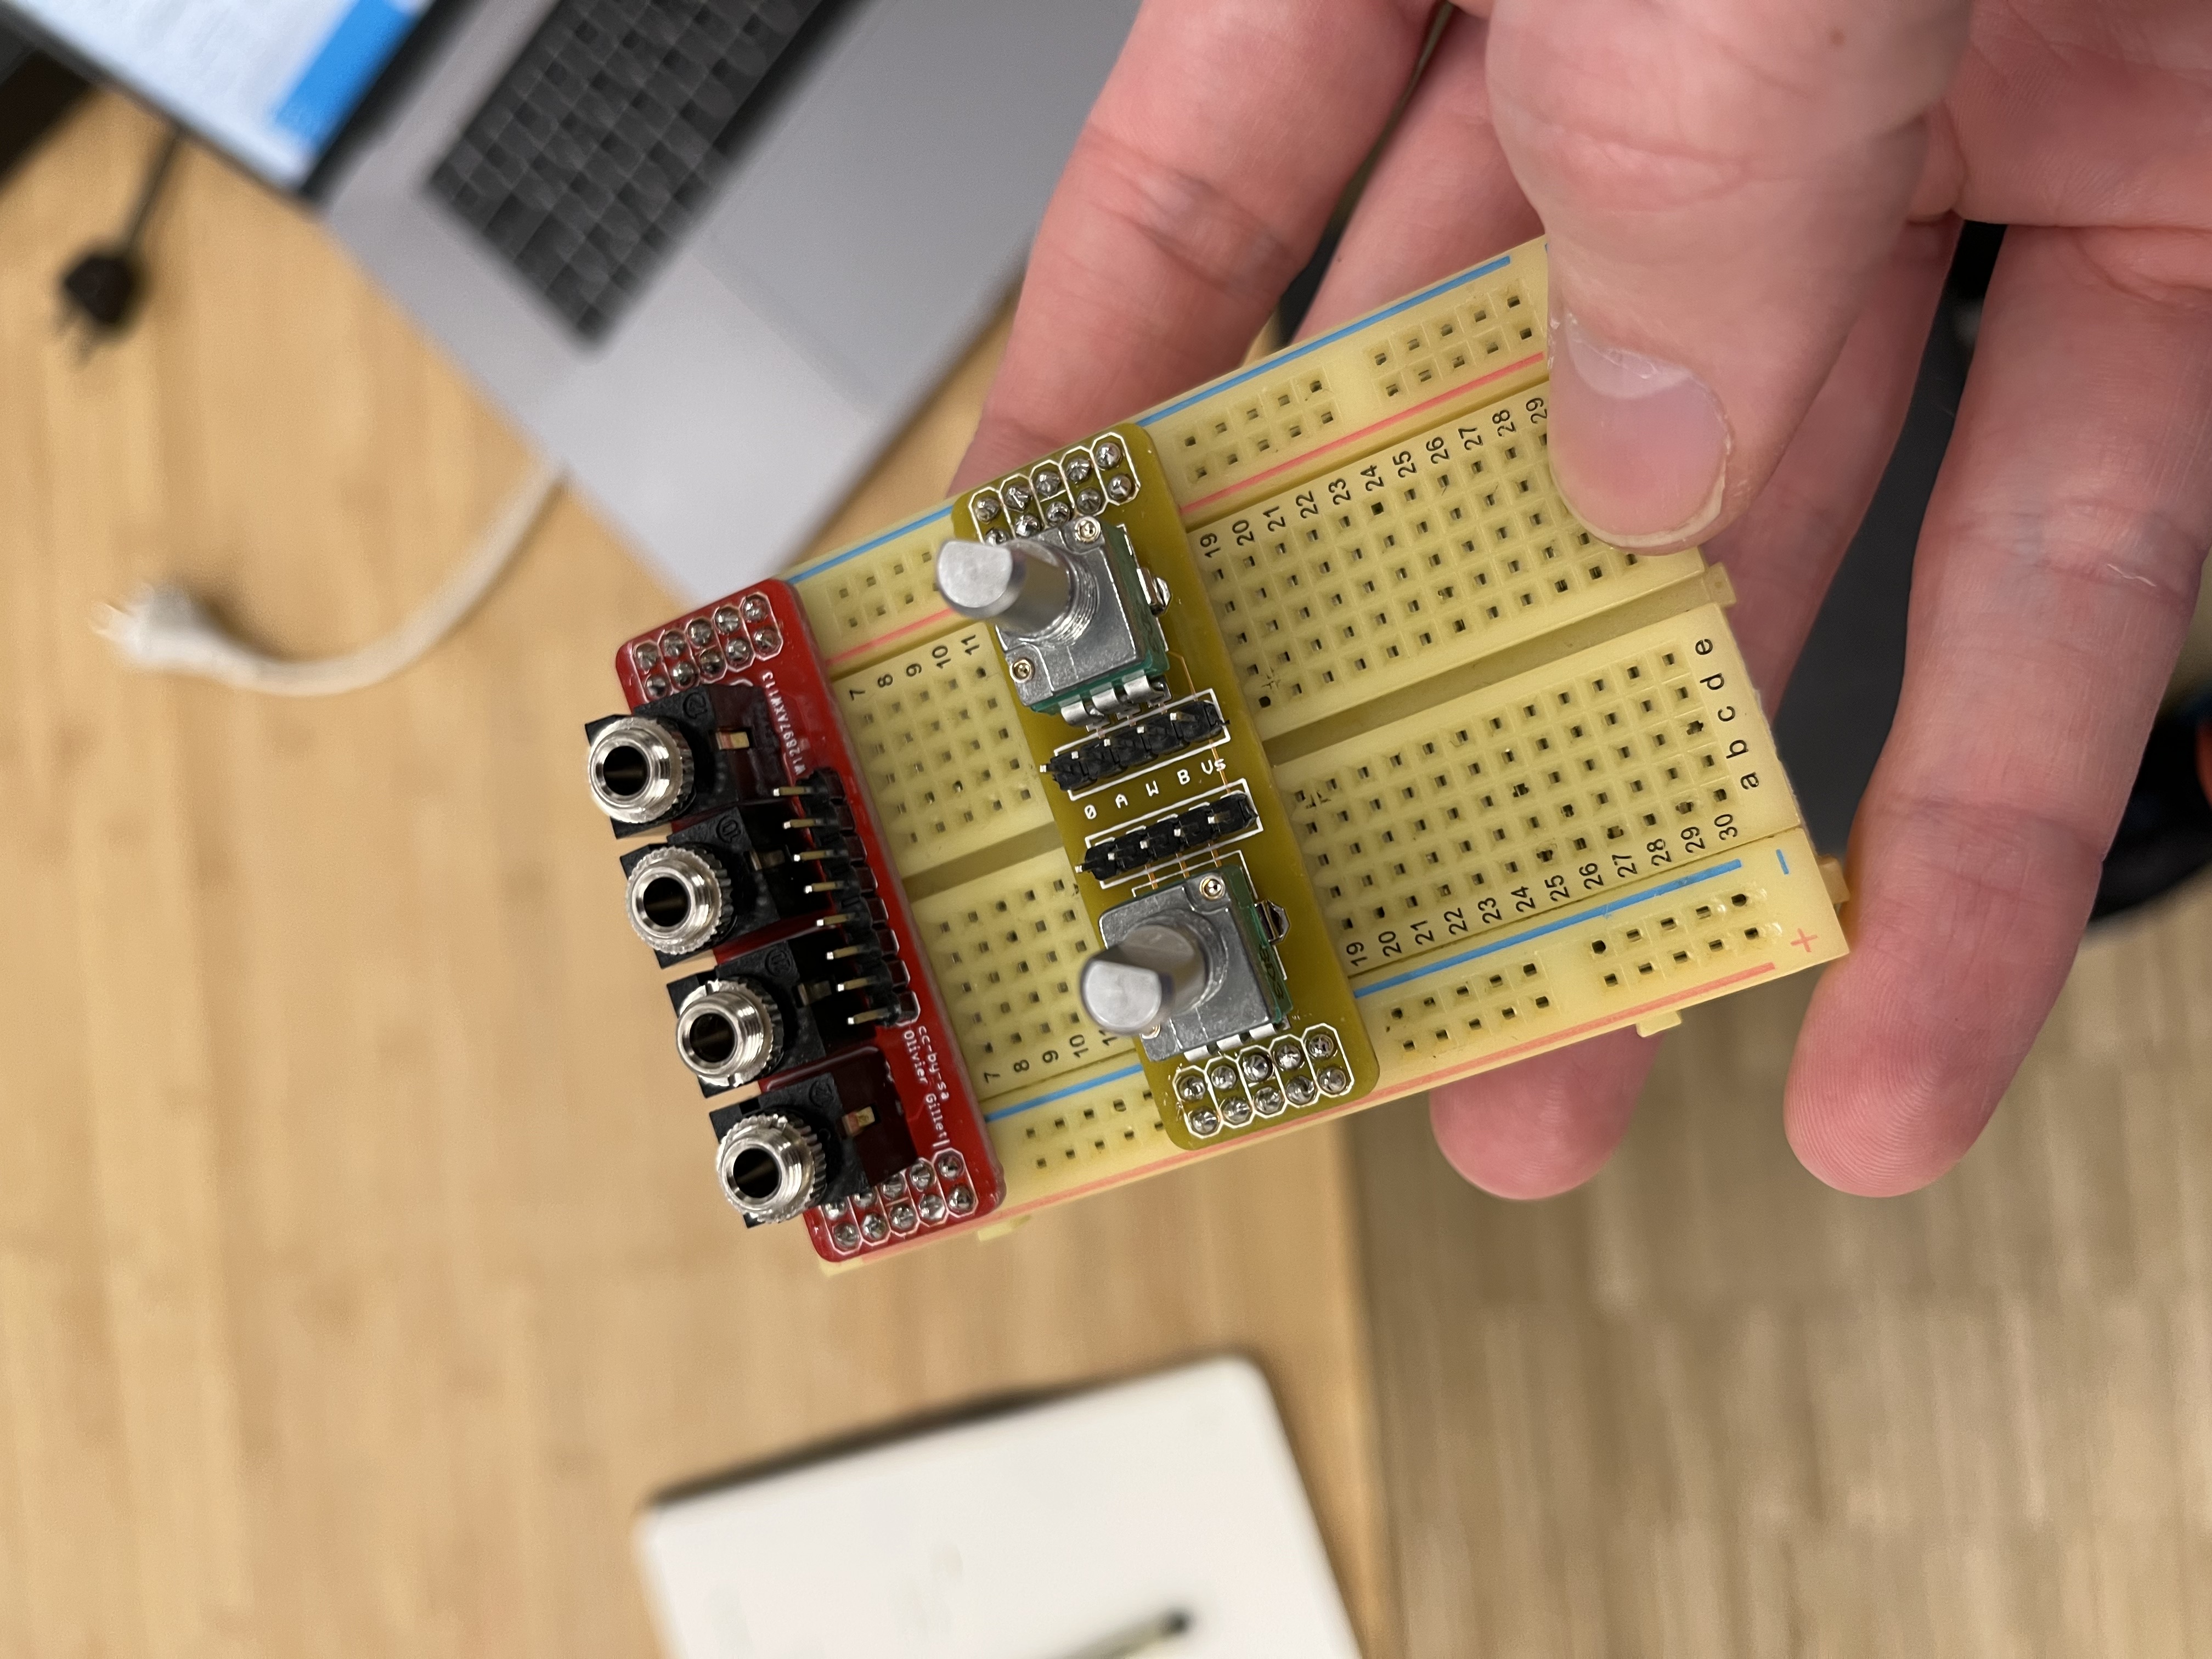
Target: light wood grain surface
{"x":1708,"y":1407}
{"x":360,"y":1269}
{"x":360,"y":1275}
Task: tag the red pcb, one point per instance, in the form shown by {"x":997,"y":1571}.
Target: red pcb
{"x":732,"y":720}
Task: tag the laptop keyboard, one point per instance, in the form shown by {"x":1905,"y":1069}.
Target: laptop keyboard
{"x":607,"y":134}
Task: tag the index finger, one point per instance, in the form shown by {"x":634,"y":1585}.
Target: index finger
{"x":2056,"y":570}
{"x":1200,"y":185}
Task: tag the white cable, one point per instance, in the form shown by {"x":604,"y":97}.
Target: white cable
{"x":165,"y":630}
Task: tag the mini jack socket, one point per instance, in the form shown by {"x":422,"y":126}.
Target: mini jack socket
{"x":730,"y":1031}
{"x":680,"y":899}
{"x":771,"y":1167}
{"x":639,"y":769}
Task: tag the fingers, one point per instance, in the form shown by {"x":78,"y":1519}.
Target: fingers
{"x":1440,"y":196}
{"x":1547,"y":1124}
{"x":1720,"y":185}
{"x":1550,"y":1123}
{"x":1200,"y":184}
{"x":1785,"y":551}
{"x":2056,"y":571}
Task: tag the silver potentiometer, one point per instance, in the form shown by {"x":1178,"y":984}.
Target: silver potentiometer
{"x":1187,"y":966}
{"x":1075,"y":614}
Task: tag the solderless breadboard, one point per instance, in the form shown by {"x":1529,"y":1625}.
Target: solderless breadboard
{"x":1004,"y":950}
{"x":1534,"y":793}
{"x":1447,"y":548}
{"x":1625,"y":760}
{"x":936,"y":732}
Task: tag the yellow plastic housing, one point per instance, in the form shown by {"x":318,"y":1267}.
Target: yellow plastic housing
{"x":1529,"y":783}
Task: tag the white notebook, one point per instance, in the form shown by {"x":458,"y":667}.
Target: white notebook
{"x":1052,"y":1531}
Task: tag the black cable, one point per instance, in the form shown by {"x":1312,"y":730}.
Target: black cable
{"x":101,"y":290}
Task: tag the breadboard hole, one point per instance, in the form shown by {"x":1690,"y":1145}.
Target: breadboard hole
{"x":1724,"y":921}
{"x":1249,"y":430}
{"x":1105,"y":1127}
{"x":1508,"y":804}
{"x":1455,"y":339}
{"x":1490,"y":1001}
{"x":1467,"y":334}
{"x":1005,"y":952}
{"x":1448,"y":546}
{"x":1620,"y":964}
{"x":862,"y":600}
{"x":1078,"y":1137}
{"x":936,"y":732}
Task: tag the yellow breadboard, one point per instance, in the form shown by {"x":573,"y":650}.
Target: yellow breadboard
{"x":1450,"y":547}
{"x":1532,"y":788}
{"x":1006,"y":949}
{"x":936,"y":728}
{"x":1625,"y":760}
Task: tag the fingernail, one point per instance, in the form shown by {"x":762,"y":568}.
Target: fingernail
{"x":1639,"y":447}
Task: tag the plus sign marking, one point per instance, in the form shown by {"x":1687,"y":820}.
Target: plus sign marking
{"x":1804,"y":941}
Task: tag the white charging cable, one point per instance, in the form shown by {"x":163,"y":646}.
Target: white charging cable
{"x":165,"y":630}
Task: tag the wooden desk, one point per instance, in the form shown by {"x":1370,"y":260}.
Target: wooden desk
{"x":360,"y":1269}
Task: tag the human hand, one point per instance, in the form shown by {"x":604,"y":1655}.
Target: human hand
{"x":1750,"y":205}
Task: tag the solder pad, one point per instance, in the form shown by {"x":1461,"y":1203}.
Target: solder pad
{"x":1532,"y":791}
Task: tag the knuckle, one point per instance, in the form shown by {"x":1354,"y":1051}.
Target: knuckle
{"x":1606,"y":163}
{"x":1603,"y":134}
{"x":1640,"y":107}
{"x":1189,"y":221}
{"x":2114,"y":553}
{"x":1990,"y":867}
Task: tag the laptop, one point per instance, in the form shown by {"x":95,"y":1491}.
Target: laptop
{"x":708,"y":253}
{"x":35,"y":93}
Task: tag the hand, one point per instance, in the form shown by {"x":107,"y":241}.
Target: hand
{"x":1750,"y":205}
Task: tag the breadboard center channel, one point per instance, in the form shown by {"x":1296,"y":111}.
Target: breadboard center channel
{"x":1632,"y":759}
{"x":1522,"y":785}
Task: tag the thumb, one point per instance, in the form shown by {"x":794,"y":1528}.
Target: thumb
{"x":1720,"y":182}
